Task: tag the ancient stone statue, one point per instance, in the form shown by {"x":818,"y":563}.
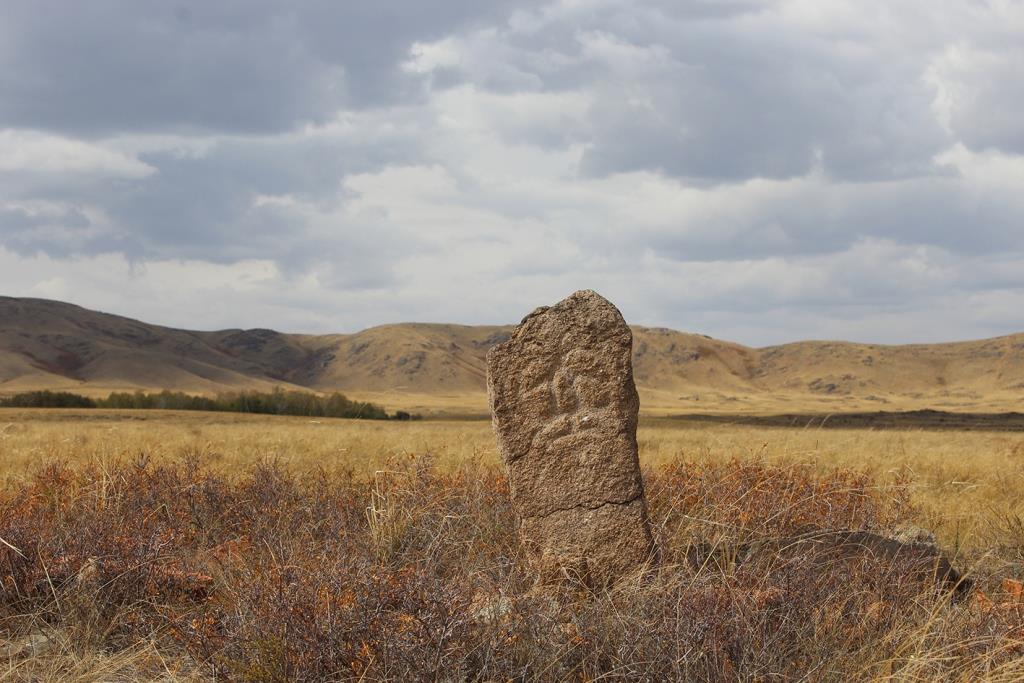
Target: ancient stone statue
{"x":564,"y":409}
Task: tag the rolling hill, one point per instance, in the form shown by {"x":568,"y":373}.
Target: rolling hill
{"x":441,"y":368}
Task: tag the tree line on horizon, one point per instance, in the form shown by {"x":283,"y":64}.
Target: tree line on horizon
{"x":276,"y":402}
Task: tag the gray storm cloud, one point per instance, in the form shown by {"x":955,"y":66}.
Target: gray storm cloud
{"x":756,"y":170}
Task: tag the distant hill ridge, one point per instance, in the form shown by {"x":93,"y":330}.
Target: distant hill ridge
{"x":55,"y":345}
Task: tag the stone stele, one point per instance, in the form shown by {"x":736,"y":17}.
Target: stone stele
{"x":564,"y":409}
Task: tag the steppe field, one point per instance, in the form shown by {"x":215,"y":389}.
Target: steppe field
{"x":149,"y":545}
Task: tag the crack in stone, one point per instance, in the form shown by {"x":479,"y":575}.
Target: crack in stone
{"x":584,"y":506}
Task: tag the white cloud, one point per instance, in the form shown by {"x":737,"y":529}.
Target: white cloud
{"x":977,"y":90}
{"x":25,"y":151}
{"x":761,"y":171}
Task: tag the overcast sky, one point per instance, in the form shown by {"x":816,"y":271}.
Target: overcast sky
{"x":757,"y":171}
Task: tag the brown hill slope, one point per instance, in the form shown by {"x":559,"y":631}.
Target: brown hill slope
{"x":49,"y":344}
{"x":412,"y":358}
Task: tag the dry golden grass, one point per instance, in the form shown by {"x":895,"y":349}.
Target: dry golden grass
{"x":228,"y":441}
{"x":968,"y":487}
{"x":963,"y":481}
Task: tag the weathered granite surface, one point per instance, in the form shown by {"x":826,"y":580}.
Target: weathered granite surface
{"x":564,"y":408}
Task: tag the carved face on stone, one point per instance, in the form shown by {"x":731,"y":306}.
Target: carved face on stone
{"x":564,"y":408}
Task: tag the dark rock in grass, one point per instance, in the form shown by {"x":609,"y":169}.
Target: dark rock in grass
{"x":922,"y":562}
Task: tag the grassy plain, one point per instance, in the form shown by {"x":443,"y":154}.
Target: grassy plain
{"x":454,"y":527}
{"x":963,"y":481}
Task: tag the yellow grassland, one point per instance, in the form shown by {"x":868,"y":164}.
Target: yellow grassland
{"x":964,"y":481}
{"x":967,"y":487}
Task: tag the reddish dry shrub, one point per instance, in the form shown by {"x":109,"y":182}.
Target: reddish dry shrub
{"x":274,"y":576}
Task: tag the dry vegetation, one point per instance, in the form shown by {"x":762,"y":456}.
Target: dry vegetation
{"x":168,"y":546}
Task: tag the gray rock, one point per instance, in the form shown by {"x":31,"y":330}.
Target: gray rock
{"x":909,"y":533}
{"x":920,"y":561}
{"x":34,"y":644}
